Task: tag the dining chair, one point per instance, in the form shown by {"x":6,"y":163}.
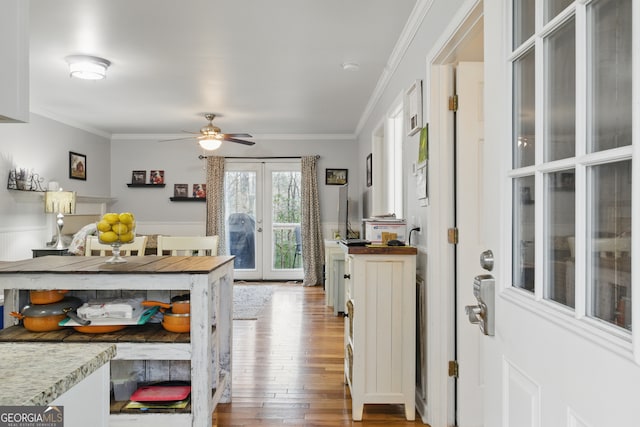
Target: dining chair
{"x":188,"y":245}
{"x":92,"y":244}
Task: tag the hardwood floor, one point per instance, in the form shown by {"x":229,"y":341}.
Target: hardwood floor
{"x":288,"y":368}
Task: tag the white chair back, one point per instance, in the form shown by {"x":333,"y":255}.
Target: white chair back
{"x":188,"y":245}
{"x":92,"y":244}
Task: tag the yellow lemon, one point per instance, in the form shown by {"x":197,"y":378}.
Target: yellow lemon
{"x":119,"y":228}
{"x":126,"y":237}
{"x":111,"y":218}
{"x":126,"y":218}
{"x":108,"y":237}
{"x":103,"y":226}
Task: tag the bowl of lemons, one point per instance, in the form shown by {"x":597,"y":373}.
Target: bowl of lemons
{"x":116,"y":229}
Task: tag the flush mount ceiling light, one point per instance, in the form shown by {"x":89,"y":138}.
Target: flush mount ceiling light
{"x":350,"y":66}
{"x":210,"y":142}
{"x":87,"y":67}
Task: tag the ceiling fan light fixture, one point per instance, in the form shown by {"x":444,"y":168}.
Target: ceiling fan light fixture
{"x":210,"y":143}
{"x":87,"y":67}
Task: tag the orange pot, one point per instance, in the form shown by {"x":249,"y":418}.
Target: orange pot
{"x":46,"y":296}
{"x":176,"y":322}
{"x":40,"y":324}
{"x":99,"y":329}
{"x":176,"y":307}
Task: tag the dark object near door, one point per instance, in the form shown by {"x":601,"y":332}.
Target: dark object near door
{"x":242,"y":240}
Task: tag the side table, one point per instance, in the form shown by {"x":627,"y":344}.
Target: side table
{"x":50,"y":251}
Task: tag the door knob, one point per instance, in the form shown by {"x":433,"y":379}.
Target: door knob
{"x":347,"y":276}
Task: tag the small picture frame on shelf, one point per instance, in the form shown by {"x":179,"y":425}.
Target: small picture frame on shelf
{"x":156,"y":177}
{"x":181,"y":190}
{"x":336,"y":176}
{"x":77,"y":166}
{"x":199,"y":191}
{"x":139,"y":177}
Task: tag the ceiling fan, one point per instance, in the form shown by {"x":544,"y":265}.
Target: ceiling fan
{"x":210,"y":137}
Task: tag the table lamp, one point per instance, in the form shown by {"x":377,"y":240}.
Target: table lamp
{"x":60,"y":202}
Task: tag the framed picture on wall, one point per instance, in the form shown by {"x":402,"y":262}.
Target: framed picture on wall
{"x":138,"y":177}
{"x":77,"y":166}
{"x":413,"y":108}
{"x":423,"y":147}
{"x":336,"y":176}
{"x":180,"y":190}
{"x":156,"y":177}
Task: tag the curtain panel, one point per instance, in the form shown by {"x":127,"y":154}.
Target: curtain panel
{"x":215,"y":201}
{"x":312,"y":240}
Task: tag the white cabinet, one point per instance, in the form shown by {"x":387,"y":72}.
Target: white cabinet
{"x":380,"y":327}
{"x":87,"y":403}
{"x":334,"y":276}
{"x":14,"y":67}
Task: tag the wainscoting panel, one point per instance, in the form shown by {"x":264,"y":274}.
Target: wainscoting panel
{"x":521,"y":398}
{"x":16,"y":243}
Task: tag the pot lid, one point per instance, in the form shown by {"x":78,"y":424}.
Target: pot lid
{"x":42,"y":310}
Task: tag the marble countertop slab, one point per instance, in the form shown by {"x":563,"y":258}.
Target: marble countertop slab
{"x":35,"y":374}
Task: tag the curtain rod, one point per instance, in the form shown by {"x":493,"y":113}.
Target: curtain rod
{"x":259,"y":158}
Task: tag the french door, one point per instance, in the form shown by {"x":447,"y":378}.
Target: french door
{"x":262,"y":219}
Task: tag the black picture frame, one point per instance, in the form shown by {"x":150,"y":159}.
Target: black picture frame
{"x":369,"y":170}
{"x":181,"y":190}
{"x":77,"y":166}
{"x":336,"y":176}
{"x":139,"y":177}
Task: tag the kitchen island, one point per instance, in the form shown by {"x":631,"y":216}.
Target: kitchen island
{"x":207,"y":350}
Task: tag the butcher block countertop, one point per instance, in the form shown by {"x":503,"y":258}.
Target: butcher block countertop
{"x":36,"y":374}
{"x":98,"y":265}
{"x":382,"y":250}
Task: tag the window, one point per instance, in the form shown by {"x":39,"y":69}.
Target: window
{"x":572,"y":154}
{"x":388,"y":175}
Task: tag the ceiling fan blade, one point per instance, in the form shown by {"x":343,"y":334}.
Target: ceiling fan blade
{"x":177,"y":139}
{"x":236,"y":135}
{"x":239,"y":141}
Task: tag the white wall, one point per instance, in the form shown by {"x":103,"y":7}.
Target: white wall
{"x":43,"y":145}
{"x":411,"y":67}
{"x":179,"y":160}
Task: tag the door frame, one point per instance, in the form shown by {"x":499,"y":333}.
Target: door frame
{"x":440,"y":407}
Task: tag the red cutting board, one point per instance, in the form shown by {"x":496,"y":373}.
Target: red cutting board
{"x":159,"y":393}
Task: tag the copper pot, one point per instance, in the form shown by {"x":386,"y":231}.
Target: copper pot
{"x":40,"y":324}
{"x":176,"y":322}
{"x":45,"y":317}
{"x":176,"y":307}
{"x":46,"y":296}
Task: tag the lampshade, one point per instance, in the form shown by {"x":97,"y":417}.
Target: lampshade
{"x":63,"y":202}
{"x":87,"y":67}
{"x":210,"y":143}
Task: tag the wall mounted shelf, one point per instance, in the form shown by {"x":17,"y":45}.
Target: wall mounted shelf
{"x":146,"y":185}
{"x":187,"y":199}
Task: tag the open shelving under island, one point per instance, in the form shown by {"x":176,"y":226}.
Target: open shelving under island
{"x":207,"y":348}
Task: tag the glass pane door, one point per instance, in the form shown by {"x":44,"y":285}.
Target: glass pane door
{"x":263,"y":210}
{"x":243,"y":217}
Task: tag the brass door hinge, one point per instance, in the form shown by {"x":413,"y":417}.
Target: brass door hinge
{"x":453,"y":368}
{"x":452,"y":235}
{"x":453,"y":103}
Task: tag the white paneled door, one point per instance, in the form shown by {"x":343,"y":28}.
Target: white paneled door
{"x":558,"y":196}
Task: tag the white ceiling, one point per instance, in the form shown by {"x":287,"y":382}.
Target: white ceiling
{"x":264,"y":67}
